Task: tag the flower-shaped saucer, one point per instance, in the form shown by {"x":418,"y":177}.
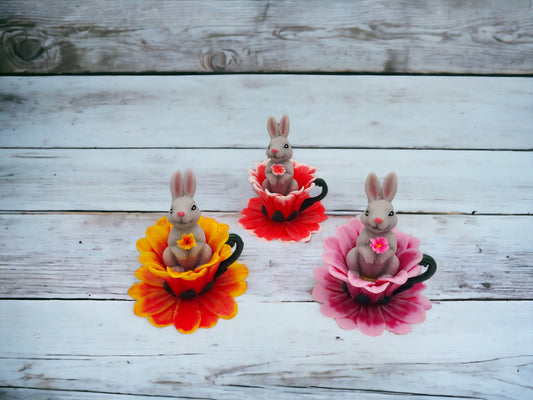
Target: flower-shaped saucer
{"x":291,"y":218}
{"x":391,"y":303}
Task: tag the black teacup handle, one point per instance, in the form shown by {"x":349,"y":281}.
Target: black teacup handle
{"x":431,"y":265}
{"x":312,"y":200}
{"x":233,"y":240}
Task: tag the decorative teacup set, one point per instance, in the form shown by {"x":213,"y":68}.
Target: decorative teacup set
{"x":371,"y":279}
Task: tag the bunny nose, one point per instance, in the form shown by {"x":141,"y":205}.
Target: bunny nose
{"x":378,"y":221}
{"x":181,"y":213}
{"x":274,"y":151}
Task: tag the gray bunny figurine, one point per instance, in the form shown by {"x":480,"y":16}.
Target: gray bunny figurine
{"x":187,"y":247}
{"x":375,"y":251}
{"x":279,"y":170}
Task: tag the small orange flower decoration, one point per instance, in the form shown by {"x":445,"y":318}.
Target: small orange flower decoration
{"x":187,"y":242}
{"x":192,"y":299}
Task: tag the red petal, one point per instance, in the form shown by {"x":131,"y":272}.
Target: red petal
{"x":146,"y":276}
{"x":164,"y":318}
{"x":208,"y":319}
{"x":187,"y":316}
{"x":219,"y":303}
{"x":141,"y":289}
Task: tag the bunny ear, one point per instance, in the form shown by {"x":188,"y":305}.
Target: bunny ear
{"x":190,"y":183}
{"x":372,"y":187}
{"x":176,"y":184}
{"x":272,"y":127}
{"x":390,"y":185}
{"x":284,"y":126}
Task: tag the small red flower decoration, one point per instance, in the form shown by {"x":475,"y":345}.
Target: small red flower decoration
{"x":274,"y":216}
{"x":370,"y":306}
{"x":278,"y":169}
{"x":192,"y":299}
{"x":380,"y":245}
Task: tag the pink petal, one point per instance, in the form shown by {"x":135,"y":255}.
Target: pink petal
{"x":322,"y":294}
{"x":339,"y":306}
{"x":406,"y":311}
{"x":409,"y":258}
{"x":331,"y":243}
{"x":347,"y":238}
{"x":402,"y":240}
{"x":347,"y":323}
{"x":414,"y":243}
{"x":325,"y":279}
{"x":338,"y":273}
{"x":394,"y":325}
{"x":370,"y":321}
{"x":334,"y":258}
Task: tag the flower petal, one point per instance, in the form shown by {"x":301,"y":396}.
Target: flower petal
{"x":141,"y":289}
{"x":395,"y":325}
{"x":236,"y":272}
{"x":339,"y":306}
{"x":406,"y":311}
{"x":347,"y":323}
{"x":347,"y":238}
{"x":208,"y":319}
{"x":187,"y":317}
{"x":370,"y":320}
{"x":164,"y":318}
{"x":153,"y":303}
{"x":219,"y":303}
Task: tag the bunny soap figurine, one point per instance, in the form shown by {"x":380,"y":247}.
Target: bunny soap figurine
{"x":284,"y":209}
{"x":375,"y":251}
{"x":371,"y":279}
{"x":187,"y":247}
{"x":279,"y":170}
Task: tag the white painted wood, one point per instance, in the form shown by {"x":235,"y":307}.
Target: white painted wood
{"x":241,"y":36}
{"x":93,"y":256}
{"x":464,"y":349}
{"x":137,"y":179}
{"x":232,"y":110}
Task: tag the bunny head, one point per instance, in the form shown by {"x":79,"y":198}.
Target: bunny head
{"x":183,"y":212}
{"x":379,"y":216}
{"x":279,"y":149}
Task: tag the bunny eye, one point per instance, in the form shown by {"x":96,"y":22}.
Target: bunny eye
{"x":286,"y":146}
{"x":366,"y":213}
{"x":391,"y":214}
{"x":193,"y":207}
{"x":171,"y":211}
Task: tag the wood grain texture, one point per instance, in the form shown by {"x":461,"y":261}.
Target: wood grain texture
{"x":485,"y":360}
{"x":137,"y":179}
{"x":93,"y":256}
{"x":473,"y":37}
{"x":231,"y":111}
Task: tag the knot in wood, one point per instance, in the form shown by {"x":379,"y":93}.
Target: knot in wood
{"x":221,"y":60}
{"x":30,"y":50}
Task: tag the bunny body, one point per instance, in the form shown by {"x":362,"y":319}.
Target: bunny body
{"x":279,"y":170}
{"x":379,"y":220}
{"x":184,"y":216}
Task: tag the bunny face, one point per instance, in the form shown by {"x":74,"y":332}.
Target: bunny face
{"x":183,"y":211}
{"x":279,"y":149}
{"x":379,"y":216}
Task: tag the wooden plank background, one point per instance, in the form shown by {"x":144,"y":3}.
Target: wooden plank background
{"x":439,"y":36}
{"x":100,"y":101}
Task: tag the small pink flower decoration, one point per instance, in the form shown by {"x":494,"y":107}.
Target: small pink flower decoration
{"x":278,"y":169}
{"x":371,"y":306}
{"x":380,"y":244}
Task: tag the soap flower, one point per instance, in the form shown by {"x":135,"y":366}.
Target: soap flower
{"x":380,"y":244}
{"x":192,"y":299}
{"x":278,"y":169}
{"x":370,"y":306}
{"x":274,"y":216}
{"x":187,"y":241}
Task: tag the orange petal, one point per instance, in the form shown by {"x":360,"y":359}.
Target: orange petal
{"x":141,"y":289}
{"x":150,"y":257}
{"x":164,"y":318}
{"x":144,"y":274}
{"x":236,"y":272}
{"x":208,"y":318}
{"x":187,"y":316}
{"x":219,"y":303}
{"x":143,"y":245}
{"x":154,"y":303}
{"x":233,"y":289}
{"x":158,"y":239}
